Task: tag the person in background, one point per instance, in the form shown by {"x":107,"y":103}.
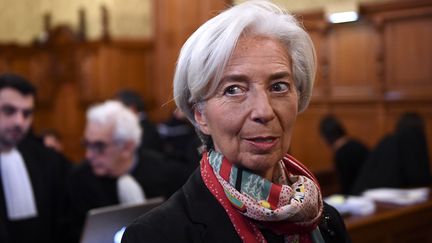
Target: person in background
{"x":115,"y":171}
{"x":32,"y":199}
{"x":241,"y":79}
{"x":399,"y":160}
{"x":150,"y":137}
{"x":180,"y":140}
{"x":349,"y":154}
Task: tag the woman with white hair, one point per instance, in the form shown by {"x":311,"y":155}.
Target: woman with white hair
{"x":241,"y":79}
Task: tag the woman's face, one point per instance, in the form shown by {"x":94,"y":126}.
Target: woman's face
{"x":251,"y":116}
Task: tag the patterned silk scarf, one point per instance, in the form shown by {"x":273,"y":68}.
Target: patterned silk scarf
{"x":291,"y":206}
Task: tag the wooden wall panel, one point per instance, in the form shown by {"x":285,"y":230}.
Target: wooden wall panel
{"x":40,"y":70}
{"x":321,"y":85}
{"x":36,"y":64}
{"x":371,"y":72}
{"x":66,"y":114}
{"x":408,"y":52}
{"x":306,"y":143}
{"x":108,"y":68}
{"x":361,"y":120}
{"x":317,"y":29}
{"x":352,"y":61}
{"x":89,"y":76}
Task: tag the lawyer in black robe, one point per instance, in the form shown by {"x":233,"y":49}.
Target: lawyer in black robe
{"x":399,"y":160}
{"x":47,"y":171}
{"x":157,"y":177}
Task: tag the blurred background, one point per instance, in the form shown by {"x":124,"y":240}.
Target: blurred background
{"x":78,"y":52}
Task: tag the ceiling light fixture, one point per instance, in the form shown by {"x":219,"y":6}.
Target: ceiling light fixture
{"x":342,"y":12}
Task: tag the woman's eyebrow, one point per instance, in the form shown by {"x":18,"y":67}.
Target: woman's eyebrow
{"x":235,"y":77}
{"x":282,"y":74}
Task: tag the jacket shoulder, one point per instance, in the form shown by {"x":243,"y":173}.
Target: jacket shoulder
{"x":191,"y":214}
{"x":332,"y":226}
{"x":157,"y":224}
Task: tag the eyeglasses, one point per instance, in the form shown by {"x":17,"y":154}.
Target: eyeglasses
{"x":98,"y":147}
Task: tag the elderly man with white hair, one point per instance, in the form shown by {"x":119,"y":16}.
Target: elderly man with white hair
{"x":114,"y":170}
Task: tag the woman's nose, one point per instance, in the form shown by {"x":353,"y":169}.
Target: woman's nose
{"x":262,"y":109}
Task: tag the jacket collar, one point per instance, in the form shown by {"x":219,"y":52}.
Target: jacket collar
{"x":206,"y":211}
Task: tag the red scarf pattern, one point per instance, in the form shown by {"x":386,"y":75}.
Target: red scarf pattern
{"x":285,"y":211}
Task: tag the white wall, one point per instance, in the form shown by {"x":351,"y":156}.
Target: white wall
{"x":22,"y":20}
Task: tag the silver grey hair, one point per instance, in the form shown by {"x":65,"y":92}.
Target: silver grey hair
{"x":125,"y":123}
{"x":205,"y":54}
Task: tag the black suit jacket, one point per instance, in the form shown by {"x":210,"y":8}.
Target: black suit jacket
{"x":150,"y":138}
{"x":47,"y":171}
{"x":192,"y":214}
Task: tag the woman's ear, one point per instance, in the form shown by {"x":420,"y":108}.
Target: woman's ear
{"x":201,"y":121}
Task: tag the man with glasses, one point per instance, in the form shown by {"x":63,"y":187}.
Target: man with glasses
{"x":115,"y":171}
{"x":32,"y":176}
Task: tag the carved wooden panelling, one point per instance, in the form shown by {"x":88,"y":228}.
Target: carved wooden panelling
{"x":40,"y":72}
{"x":321,"y":80}
{"x":352,"y":61}
{"x":108,"y":68}
{"x":408,"y":62}
{"x":34,"y":64}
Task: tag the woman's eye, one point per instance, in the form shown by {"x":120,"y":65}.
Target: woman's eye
{"x":232,"y":90}
{"x":280,"y":87}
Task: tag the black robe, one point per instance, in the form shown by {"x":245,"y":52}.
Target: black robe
{"x":349,"y":159}
{"x":47,"y":171}
{"x":399,"y":160}
{"x":150,"y":138}
{"x":157,"y":176}
{"x":193,"y":214}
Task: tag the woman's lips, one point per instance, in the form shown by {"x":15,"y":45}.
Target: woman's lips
{"x":262,"y":143}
